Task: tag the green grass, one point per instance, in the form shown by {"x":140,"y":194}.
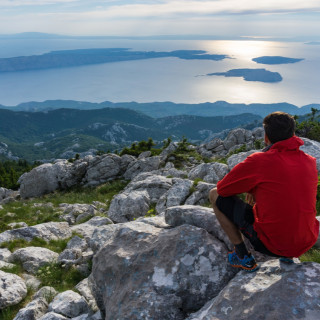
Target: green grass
{"x":311,"y":255}
{"x":59,"y":276}
{"x":25,"y":212}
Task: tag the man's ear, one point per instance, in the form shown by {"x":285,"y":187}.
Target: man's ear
{"x":266,"y":140}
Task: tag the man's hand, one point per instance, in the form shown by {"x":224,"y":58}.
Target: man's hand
{"x":250,"y":199}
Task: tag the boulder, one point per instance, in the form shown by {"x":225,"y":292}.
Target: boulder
{"x":50,"y":177}
{"x":4,"y":254}
{"x":102,"y":169}
{"x":197,"y":216}
{"x":12,"y":289}
{"x":155,"y":273}
{"x":237,"y":136}
{"x":46,"y":231}
{"x":239,"y":157}
{"x":173,"y":146}
{"x":31,"y":281}
{"x":84,"y":289}
{"x":142,"y":165}
{"x":155,"y":185}
{"x":33,"y":310}
{"x":53,"y":316}
{"x":5,"y":193}
{"x":32,"y":258}
{"x":201,"y":194}
{"x":275,"y":291}
{"x":209,"y":172}
{"x":69,"y":304}
{"x":157,"y":221}
{"x":86,"y":229}
{"x":127,"y":206}
{"x":47,"y":293}
{"x":213,"y":144}
{"x":77,"y":243}
{"x":312,"y":148}
{"x":176,"y":195}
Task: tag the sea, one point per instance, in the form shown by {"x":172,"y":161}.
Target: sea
{"x":164,"y":79}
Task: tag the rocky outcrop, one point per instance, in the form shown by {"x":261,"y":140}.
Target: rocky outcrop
{"x":46,"y":231}
{"x":209,"y":172}
{"x":12,"y":289}
{"x":168,"y":273}
{"x":276,"y":291}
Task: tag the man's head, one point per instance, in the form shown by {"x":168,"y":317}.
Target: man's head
{"x":278,"y":126}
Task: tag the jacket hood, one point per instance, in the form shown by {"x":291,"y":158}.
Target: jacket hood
{"x":292,"y":143}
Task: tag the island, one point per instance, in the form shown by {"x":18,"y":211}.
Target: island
{"x":261,"y":75}
{"x":80,"y":57}
{"x":275,"y":60}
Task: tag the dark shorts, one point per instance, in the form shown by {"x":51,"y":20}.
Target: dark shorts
{"x":241,"y":214}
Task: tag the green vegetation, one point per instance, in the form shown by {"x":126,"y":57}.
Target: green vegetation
{"x":60,"y":277}
{"x":11,"y":170}
{"x":142,"y":146}
{"x":309,"y":126}
{"x":152,"y":211}
{"x":26,"y":210}
{"x":311,"y":255}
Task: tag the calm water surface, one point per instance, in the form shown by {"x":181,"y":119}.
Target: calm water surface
{"x":165,"y":79}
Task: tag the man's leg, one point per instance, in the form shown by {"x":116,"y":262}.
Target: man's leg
{"x":227,"y":225}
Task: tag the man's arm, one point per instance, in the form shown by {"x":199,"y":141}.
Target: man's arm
{"x":242,"y":178}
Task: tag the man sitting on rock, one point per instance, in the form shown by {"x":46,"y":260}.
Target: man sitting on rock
{"x":279,"y":218}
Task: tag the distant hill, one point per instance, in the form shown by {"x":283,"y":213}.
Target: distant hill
{"x":61,"y":133}
{"x":164,"y":109}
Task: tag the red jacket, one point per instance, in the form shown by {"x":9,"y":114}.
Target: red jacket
{"x":284,"y":182}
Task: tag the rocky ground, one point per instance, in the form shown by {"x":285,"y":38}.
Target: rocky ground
{"x":155,"y":251}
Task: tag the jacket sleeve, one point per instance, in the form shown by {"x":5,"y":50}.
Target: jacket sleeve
{"x":242,"y":178}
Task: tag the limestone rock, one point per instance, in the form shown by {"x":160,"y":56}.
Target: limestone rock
{"x":69,"y":304}
{"x":32,"y":258}
{"x":46,"y":231}
{"x":176,"y":195}
{"x":15,"y":225}
{"x":5,"y":193}
{"x":86,"y":229}
{"x":4,"y":264}
{"x":77,"y":243}
{"x":312,"y":148}
{"x":209,"y":172}
{"x":127,"y":206}
{"x":53,"y":316}
{"x":239,"y":157}
{"x":275,"y":291}
{"x":201,"y":194}
{"x":103,"y":168}
{"x":173,"y":146}
{"x":237,"y":136}
{"x":155,"y":185}
{"x":4,"y":254}
{"x":12,"y":289}
{"x":167,"y":272}
{"x":85,"y":291}
{"x":70,"y":256}
{"x":157,"y":221}
{"x":31,"y":281}
{"x":142,"y":165}
{"x":197,"y":216}
{"x":33,"y":310}
{"x":47,"y":293}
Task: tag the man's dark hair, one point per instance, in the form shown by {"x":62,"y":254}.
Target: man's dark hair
{"x":279,"y":126}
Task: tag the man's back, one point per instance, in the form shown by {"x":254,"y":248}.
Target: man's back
{"x":283,"y":181}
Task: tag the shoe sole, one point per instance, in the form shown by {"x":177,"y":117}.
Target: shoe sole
{"x":253,"y":269}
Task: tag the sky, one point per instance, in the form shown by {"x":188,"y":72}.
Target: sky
{"x":257,"y":18}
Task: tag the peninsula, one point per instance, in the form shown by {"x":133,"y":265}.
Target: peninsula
{"x":275,"y":60}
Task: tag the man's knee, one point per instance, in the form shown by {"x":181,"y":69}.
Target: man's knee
{"x":213,"y":195}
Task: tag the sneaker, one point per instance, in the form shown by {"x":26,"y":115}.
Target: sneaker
{"x":286,"y":260}
{"x":247,"y":263}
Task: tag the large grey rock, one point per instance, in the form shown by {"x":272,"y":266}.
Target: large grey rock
{"x":155,"y":185}
{"x":87,"y":229}
{"x":75,"y":213}
{"x":176,"y":195}
{"x":213,"y":144}
{"x":237,"y":136}
{"x":77,"y":243}
{"x":127,"y":206}
{"x":200,"y":195}
{"x":70,"y":256}
{"x":46,"y":231}
{"x":167,"y":272}
{"x":69,"y":304}
{"x":4,"y":254}
{"x":5,"y":193}
{"x":53,"y":316}
{"x":239,"y":157}
{"x":33,"y":310}
{"x":142,"y":165}
{"x":157,"y":221}
{"x":276,"y":291}
{"x":103,"y":168}
{"x":209,"y":172}
{"x":12,"y":289}
{"x":31,"y":281}
{"x":85,"y":291}
{"x":47,"y":293}
{"x":50,"y":177}
{"x":312,"y":148}
{"x":32,"y":258}
{"x":173,"y":146}
{"x":197,"y":216}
